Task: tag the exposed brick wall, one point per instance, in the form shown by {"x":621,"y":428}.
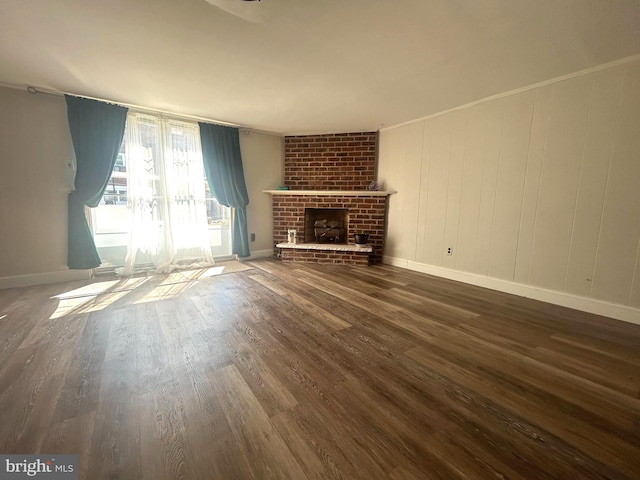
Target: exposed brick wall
{"x":340,"y":161}
{"x":314,"y":256}
{"x":366,"y":214}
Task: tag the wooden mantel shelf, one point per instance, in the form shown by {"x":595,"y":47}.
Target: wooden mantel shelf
{"x":334,"y":193}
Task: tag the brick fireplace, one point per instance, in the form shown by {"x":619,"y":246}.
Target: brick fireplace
{"x":330,"y":172}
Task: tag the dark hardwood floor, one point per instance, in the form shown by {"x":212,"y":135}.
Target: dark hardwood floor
{"x":307,"y":371}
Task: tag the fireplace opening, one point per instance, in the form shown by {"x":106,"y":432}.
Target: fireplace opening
{"x":326,"y":225}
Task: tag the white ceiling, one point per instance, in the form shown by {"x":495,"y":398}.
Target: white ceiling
{"x":302,"y":66}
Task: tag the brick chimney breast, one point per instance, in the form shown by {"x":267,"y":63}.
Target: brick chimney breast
{"x":337,"y":161}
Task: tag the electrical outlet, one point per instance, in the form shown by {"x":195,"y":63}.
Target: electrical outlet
{"x":449,"y":250}
{"x":253,"y":237}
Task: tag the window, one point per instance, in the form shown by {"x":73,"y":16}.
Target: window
{"x":116,"y":192}
{"x":158,"y":179}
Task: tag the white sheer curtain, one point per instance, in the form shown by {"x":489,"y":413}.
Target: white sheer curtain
{"x":166,"y":196}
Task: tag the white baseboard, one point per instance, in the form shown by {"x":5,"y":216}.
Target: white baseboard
{"x":599,"y":307}
{"x":258,"y":254}
{"x":44,"y":278}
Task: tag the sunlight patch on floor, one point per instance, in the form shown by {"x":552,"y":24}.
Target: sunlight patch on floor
{"x":213,"y":271}
{"x":92,"y":289}
{"x":130,"y":283}
{"x":163,"y":292}
{"x":191,"y":275}
{"x":98,"y":296}
{"x":103,"y":301}
{"x":86,"y":304}
{"x":95,"y":296}
{"x":67,"y":306}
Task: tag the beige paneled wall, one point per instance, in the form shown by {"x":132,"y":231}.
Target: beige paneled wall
{"x":617,"y":264}
{"x":539,"y":188}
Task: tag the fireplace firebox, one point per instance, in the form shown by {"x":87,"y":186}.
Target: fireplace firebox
{"x":326,"y":225}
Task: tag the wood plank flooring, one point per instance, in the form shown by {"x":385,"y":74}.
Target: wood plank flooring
{"x":320,"y":372}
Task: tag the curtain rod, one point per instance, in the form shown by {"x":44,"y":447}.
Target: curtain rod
{"x":138,"y":108}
